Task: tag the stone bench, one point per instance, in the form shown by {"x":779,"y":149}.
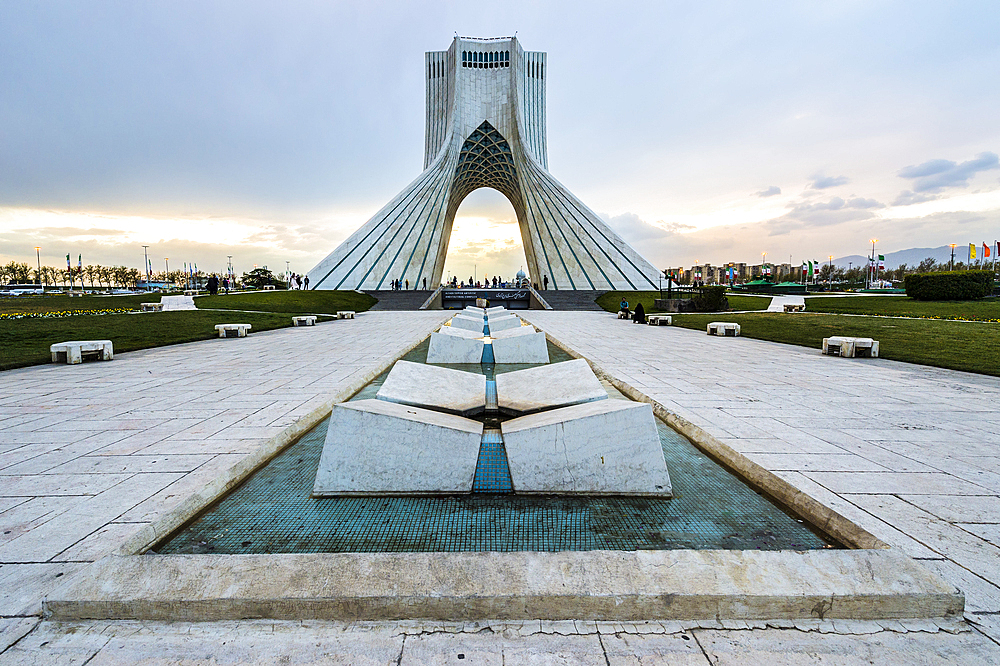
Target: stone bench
{"x":850,"y":347}
{"x":268,"y":287}
{"x":75,"y":294}
{"x":659,"y":320}
{"x":624,"y":315}
{"x":190,"y":292}
{"x":345,"y":314}
{"x":724,"y":328}
{"x":151,"y":307}
{"x":794,"y":307}
{"x":308,"y":320}
{"x":74,"y":351}
{"x":233,"y":330}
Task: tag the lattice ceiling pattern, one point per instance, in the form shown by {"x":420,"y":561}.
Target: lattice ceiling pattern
{"x":486,"y":161}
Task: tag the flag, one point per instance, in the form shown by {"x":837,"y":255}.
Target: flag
{"x":972,"y":250}
{"x":881,"y":261}
{"x":79,"y":262}
{"x":986,"y":250}
{"x":68,"y":265}
{"x":810,"y":269}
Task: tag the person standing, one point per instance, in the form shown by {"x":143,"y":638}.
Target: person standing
{"x":407,"y":284}
{"x":545,"y":282}
{"x":305,"y":283}
{"x":213,"y":285}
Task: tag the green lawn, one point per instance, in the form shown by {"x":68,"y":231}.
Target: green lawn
{"x":59,"y":303}
{"x":26,"y":341}
{"x":611,"y":300}
{"x":972,"y":347}
{"x":314,"y":301}
{"x":987,"y":309}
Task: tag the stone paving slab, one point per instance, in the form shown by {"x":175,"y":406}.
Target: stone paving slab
{"x":783,"y":400}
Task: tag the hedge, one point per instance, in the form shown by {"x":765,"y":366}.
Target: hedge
{"x":949,"y":285}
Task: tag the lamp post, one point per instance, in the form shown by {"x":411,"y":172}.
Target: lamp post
{"x":952,"y":267}
{"x":829,"y":276}
{"x":145,"y":255}
{"x":763,"y":261}
{"x":38,"y":258}
{"x":871,"y":279}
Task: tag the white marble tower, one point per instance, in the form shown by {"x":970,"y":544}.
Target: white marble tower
{"x":485,"y":128}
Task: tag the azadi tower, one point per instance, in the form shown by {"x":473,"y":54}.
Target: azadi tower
{"x":485,"y":128}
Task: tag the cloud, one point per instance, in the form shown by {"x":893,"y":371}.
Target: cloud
{"x":821,"y":182}
{"x":937,"y":175}
{"x":822,"y":214}
{"x":769,"y":192}
{"x":635,"y":230}
{"x":907,"y":197}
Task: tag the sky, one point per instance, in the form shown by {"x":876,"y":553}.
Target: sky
{"x":702,"y":132}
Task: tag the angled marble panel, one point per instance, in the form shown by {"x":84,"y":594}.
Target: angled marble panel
{"x":446,"y":348}
{"x":374,"y":447}
{"x":468,"y":323}
{"x":512,"y":332}
{"x":521,"y":349}
{"x":460,"y":332}
{"x":429,"y":386}
{"x":503,"y":323}
{"x":609,"y":447}
{"x":548,"y":386}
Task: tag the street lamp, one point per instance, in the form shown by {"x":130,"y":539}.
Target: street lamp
{"x":38,"y":258}
{"x":871,"y":280}
{"x":829,"y":276}
{"x":145,"y":254}
{"x":952,"y":267}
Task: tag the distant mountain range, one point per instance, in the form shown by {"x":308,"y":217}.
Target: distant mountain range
{"x":911,"y":257}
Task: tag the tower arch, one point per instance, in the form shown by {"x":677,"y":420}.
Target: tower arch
{"x":485,"y":128}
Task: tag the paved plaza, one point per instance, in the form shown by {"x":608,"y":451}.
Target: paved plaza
{"x":90,"y":454}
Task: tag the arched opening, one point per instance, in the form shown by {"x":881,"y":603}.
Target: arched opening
{"x":485,"y":239}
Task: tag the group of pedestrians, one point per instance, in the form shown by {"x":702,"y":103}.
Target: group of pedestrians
{"x":214,"y":283}
{"x":298,"y":281}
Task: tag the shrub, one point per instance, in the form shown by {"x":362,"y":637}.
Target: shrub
{"x":711,"y":299}
{"x":949,"y":285}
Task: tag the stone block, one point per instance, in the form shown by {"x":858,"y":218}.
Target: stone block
{"x":468,"y":323}
{"x":512,"y":332}
{"x":374,"y":447}
{"x":345,"y":314}
{"x":548,"y":386}
{"x":521,"y":349}
{"x":460,"y":332}
{"x":445,"y":348}
{"x":608,"y":447}
{"x":233,"y":330}
{"x":659,"y":320}
{"x":151,"y":307}
{"x":306,"y":320}
{"x":503,"y":323}
{"x":850,"y":347}
{"x":723,"y":328}
{"x":429,"y":386}
{"x":178,"y":302}
{"x":73,"y":351}
{"x":474,"y":310}
{"x":493,"y":309}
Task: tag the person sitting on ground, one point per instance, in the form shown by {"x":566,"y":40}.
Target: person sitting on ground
{"x":640,"y":314}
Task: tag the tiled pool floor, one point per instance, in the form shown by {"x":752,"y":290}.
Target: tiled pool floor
{"x":273,"y":512}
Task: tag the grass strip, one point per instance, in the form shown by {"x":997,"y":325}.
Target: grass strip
{"x":313,"y":302}
{"x":956,"y":345}
{"x":610,"y":301}
{"x":987,"y":309}
{"x":26,"y":342}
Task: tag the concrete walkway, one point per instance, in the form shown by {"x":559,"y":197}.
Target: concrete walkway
{"x":91,"y":453}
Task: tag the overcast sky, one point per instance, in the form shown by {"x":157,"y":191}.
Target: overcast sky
{"x":703,"y":131}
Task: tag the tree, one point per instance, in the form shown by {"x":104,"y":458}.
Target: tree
{"x":927,"y":265}
{"x":258,"y":277}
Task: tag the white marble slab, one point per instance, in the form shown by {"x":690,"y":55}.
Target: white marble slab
{"x":460,"y":332}
{"x":548,"y":386}
{"x":503,"y":323}
{"x":469,"y":323}
{"x":177,"y":303}
{"x":605,"y":447}
{"x":374,"y":447}
{"x":521,"y":349}
{"x":512,"y":332}
{"x":432,"y":387}
{"x":446,"y":348}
